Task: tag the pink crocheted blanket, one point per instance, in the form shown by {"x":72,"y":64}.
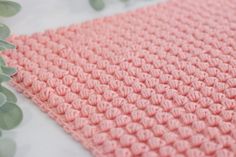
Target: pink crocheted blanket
{"x":159,"y":81}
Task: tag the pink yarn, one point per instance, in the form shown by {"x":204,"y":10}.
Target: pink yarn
{"x":156,"y":82}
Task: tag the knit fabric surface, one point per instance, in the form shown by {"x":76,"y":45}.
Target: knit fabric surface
{"x":159,"y":81}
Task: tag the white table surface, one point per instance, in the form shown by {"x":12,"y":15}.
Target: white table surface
{"x":38,"y":135}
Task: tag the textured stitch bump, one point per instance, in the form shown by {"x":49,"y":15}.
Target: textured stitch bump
{"x":159,"y":81}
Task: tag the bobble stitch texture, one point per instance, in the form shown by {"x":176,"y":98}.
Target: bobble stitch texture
{"x":159,"y":81}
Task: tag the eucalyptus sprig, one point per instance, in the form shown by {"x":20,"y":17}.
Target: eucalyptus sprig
{"x":10,"y":114}
{"x":100,"y":4}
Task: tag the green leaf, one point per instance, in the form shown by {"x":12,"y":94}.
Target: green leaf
{"x":5,"y":45}
{"x":2,"y":62}
{"x":8,"y":70}
{"x":7,"y":148}
{"x":124,"y":1}
{"x":97,"y":4}
{"x":10,"y":116}
{"x":9,"y":8}
{"x":4,"y":78}
{"x":4,"y":31}
{"x":3,"y":99}
{"x":10,"y":96}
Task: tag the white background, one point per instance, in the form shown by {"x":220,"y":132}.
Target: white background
{"x":38,"y":135}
